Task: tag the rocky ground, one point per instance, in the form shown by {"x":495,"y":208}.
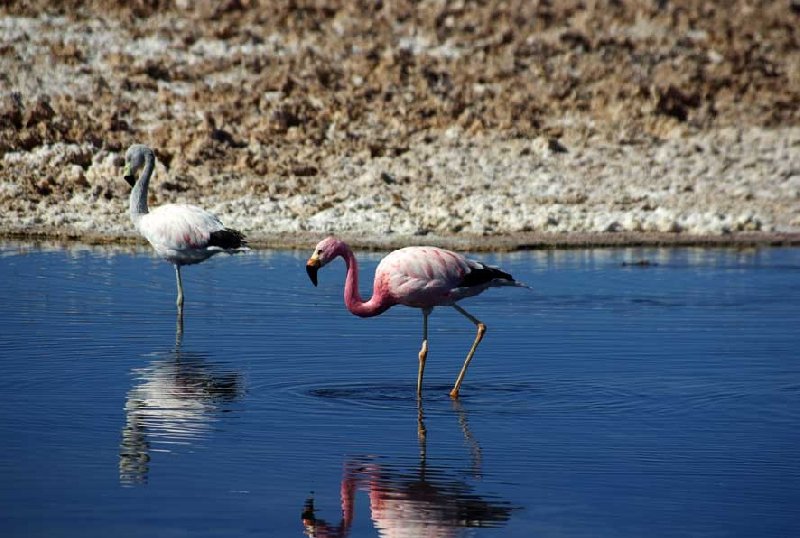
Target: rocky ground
{"x":482,"y":124}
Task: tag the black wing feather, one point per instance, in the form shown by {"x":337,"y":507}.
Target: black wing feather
{"x":482,"y":275}
{"x":227,"y":239}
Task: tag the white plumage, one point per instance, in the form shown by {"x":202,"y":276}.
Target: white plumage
{"x":182,"y":234}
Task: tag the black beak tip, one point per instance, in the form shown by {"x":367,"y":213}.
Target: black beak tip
{"x":130,"y":179}
{"x":312,"y":273}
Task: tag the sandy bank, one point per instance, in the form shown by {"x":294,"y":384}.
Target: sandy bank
{"x":484,"y":126}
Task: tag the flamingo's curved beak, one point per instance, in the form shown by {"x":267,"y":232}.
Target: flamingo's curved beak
{"x":128,"y":176}
{"x":312,"y":266}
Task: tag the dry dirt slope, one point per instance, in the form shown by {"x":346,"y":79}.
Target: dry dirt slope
{"x":440,"y":118}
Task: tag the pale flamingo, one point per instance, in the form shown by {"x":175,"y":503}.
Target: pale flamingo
{"x":420,"y":277}
{"x":182,"y":234}
{"x":176,"y":401}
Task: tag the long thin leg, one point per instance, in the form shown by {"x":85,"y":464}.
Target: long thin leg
{"x":423,"y":352}
{"x":180,"y":286}
{"x":478,"y":337}
{"x":179,"y":330}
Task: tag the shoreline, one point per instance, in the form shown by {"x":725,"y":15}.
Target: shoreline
{"x":487,"y":127}
{"x":494,"y":243}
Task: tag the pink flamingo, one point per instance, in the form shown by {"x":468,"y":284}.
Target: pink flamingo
{"x":421,"y":500}
{"x":420,"y":277}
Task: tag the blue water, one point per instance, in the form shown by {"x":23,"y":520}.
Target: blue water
{"x":609,"y":401}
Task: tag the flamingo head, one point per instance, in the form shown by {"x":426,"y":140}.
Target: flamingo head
{"x":325,"y":251}
{"x":134,"y":160}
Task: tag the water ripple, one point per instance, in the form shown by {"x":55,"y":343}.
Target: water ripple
{"x":673,"y":393}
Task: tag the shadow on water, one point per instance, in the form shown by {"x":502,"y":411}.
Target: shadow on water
{"x":414,"y":499}
{"x":175,"y":402}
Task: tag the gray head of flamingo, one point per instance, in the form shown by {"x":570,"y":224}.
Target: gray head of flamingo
{"x":135,"y":159}
{"x":325,"y":251}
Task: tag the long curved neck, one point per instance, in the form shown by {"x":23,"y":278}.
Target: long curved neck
{"x":352,"y":299}
{"x":138,"y":200}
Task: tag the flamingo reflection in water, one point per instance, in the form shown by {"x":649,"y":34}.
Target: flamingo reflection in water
{"x":428,"y":500}
{"x":175,"y":402}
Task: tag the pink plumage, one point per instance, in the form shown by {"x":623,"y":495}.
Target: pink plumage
{"x":419,"y":277}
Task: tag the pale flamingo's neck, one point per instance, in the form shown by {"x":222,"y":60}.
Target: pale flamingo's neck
{"x":378,"y":303}
{"x":138,"y":198}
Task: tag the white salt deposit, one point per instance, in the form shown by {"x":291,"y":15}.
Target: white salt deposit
{"x":692,"y":186}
